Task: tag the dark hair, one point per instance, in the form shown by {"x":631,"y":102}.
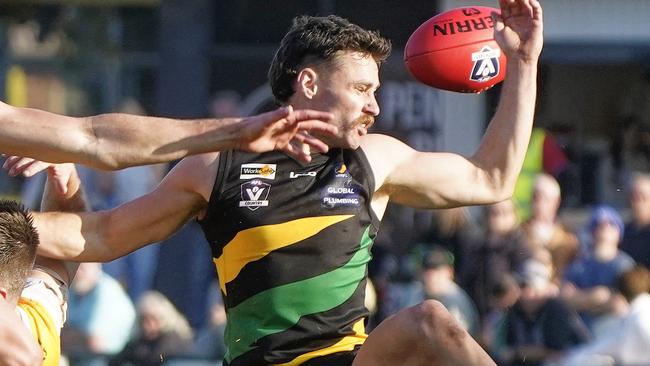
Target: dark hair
{"x":634,"y":282}
{"x":18,"y":243}
{"x":320,"y":38}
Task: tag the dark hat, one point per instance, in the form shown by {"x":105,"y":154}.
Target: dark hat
{"x":437,"y":257}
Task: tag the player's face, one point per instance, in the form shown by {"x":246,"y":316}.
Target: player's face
{"x":346,"y":87}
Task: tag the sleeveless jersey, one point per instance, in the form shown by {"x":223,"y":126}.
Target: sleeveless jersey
{"x":291,"y":243}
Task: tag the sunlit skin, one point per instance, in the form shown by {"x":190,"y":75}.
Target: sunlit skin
{"x":345,"y":87}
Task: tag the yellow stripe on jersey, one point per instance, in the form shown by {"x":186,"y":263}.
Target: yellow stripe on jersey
{"x":44,"y":330}
{"x":346,"y":344}
{"x":252,"y":244}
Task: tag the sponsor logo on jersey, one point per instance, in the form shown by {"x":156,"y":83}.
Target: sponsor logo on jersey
{"x":341,"y":171}
{"x":257,"y":170}
{"x":340,"y":195}
{"x":486,"y":64}
{"x":294,"y":175}
{"x":254,"y":194}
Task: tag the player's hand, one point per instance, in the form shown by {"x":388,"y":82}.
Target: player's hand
{"x":286,"y":130}
{"x":519,"y":29}
{"x":59,"y":174}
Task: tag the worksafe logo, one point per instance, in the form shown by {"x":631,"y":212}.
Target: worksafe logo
{"x":486,"y":64}
{"x":254,"y":194}
{"x":256,"y":170}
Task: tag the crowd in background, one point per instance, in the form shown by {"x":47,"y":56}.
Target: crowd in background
{"x":535,"y":291}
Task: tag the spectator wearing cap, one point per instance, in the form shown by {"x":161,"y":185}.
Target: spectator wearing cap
{"x":437,"y":279}
{"x":589,"y":285}
{"x":436,"y":282}
{"x":540,"y":326}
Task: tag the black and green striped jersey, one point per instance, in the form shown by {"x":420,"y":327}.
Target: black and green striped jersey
{"x":291,"y":243}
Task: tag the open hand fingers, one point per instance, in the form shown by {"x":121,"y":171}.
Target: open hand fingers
{"x":297,"y":150}
{"x":16,"y":165}
{"x":514,"y":8}
{"x":311,"y":142}
{"x":318,"y":126}
{"x":301,"y":115}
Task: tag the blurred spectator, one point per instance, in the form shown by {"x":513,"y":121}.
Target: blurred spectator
{"x":162,"y":333}
{"x":136,"y":270}
{"x":636,"y":240}
{"x":590,"y":280}
{"x":500,"y":250}
{"x":225,"y":103}
{"x":503,"y":296}
{"x":540,"y":325}
{"x":100,"y":317}
{"x":455,"y":230}
{"x":544,"y":155}
{"x":627,"y":343}
{"x":543,"y":230}
{"x":437,"y":283}
{"x":209,"y":342}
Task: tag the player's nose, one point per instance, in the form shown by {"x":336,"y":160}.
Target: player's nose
{"x":371,"y":107}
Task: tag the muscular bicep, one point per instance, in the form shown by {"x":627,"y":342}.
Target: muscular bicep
{"x":151,"y":218}
{"x":105,"y":235}
{"x":426,"y":179}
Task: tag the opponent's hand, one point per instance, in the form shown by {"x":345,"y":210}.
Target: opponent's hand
{"x":286,"y":130}
{"x":519,"y":29}
{"x":59,"y":174}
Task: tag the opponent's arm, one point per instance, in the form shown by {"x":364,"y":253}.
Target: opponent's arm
{"x":116,"y":140}
{"x":105,"y":235}
{"x":429,"y":180}
{"x":72,"y":199}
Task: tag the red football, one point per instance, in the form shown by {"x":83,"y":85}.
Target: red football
{"x":456,"y":51}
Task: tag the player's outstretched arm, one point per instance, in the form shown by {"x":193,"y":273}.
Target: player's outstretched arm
{"x":116,"y":140}
{"x":70,"y":198}
{"x":430,"y":180}
{"x":106,"y":235}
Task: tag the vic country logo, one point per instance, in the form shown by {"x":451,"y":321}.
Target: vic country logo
{"x":254,"y":194}
{"x":257,"y":170}
{"x":486,"y":64}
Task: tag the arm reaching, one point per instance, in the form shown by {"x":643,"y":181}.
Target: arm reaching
{"x":70,"y":199}
{"x":106,"y":235}
{"x":116,"y":140}
{"x":433,"y":180}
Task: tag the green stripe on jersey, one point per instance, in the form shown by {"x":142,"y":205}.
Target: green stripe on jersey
{"x":278,"y":309}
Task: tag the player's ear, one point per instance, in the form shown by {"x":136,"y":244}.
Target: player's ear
{"x":307,"y":82}
{"x":3,"y":292}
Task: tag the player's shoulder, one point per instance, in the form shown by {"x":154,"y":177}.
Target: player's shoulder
{"x":384,"y":147}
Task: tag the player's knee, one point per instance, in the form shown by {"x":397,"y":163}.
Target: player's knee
{"x":436,"y":323}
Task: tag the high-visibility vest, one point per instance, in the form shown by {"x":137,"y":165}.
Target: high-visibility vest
{"x":533,"y":165}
